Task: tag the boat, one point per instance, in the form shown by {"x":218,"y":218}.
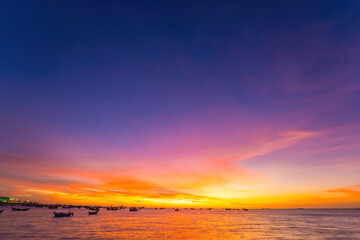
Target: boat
{"x":133,"y":209}
{"x":112,"y":208}
{"x":61,"y":214}
{"x":20,"y":209}
{"x":177,"y":210}
{"x":1,"y":211}
{"x":94,"y":212}
{"x":245,"y":209}
{"x":52,"y":207}
{"x":93,"y":208}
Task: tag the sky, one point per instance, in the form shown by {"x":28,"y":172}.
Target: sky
{"x":181,"y":103}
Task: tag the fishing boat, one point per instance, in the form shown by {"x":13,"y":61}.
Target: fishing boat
{"x":61,"y":214}
{"x":94,"y":213}
{"x":133,"y":209}
{"x":112,"y":208}
{"x":94,"y":208}
{"x":177,"y":210}
{"x":245,"y":209}
{"x":20,"y":209}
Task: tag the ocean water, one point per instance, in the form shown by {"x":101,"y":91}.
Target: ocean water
{"x":39,"y":223}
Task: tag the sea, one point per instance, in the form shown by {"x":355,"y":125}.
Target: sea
{"x":39,"y":223}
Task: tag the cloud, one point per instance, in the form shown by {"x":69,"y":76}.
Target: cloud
{"x":212,"y":178}
{"x":351,"y":192}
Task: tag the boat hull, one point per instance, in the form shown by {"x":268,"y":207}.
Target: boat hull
{"x":63,"y":214}
{"x":20,"y":209}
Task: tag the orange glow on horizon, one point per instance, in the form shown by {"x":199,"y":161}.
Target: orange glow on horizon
{"x":203,"y":181}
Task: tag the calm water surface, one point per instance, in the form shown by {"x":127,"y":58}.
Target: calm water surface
{"x":167,"y":224}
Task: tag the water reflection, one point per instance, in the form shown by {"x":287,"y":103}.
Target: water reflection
{"x":184,"y":224}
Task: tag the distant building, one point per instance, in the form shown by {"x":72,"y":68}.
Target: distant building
{"x":4,"y":199}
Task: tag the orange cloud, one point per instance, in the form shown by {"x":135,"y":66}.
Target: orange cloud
{"x":217,"y":177}
{"x":352,"y":192}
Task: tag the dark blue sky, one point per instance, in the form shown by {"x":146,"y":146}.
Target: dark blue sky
{"x":151,"y":57}
{"x":87,"y":65}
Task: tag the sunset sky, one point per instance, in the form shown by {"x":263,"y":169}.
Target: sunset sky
{"x":181,"y":103}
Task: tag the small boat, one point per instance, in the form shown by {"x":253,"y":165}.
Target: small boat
{"x":53,"y":207}
{"x":112,"y":208}
{"x":93,"y":213}
{"x":20,"y":209}
{"x":94,"y":208}
{"x":133,"y":209}
{"x":1,"y":211}
{"x":245,"y":209}
{"x":177,"y":210}
{"x":61,"y":214}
